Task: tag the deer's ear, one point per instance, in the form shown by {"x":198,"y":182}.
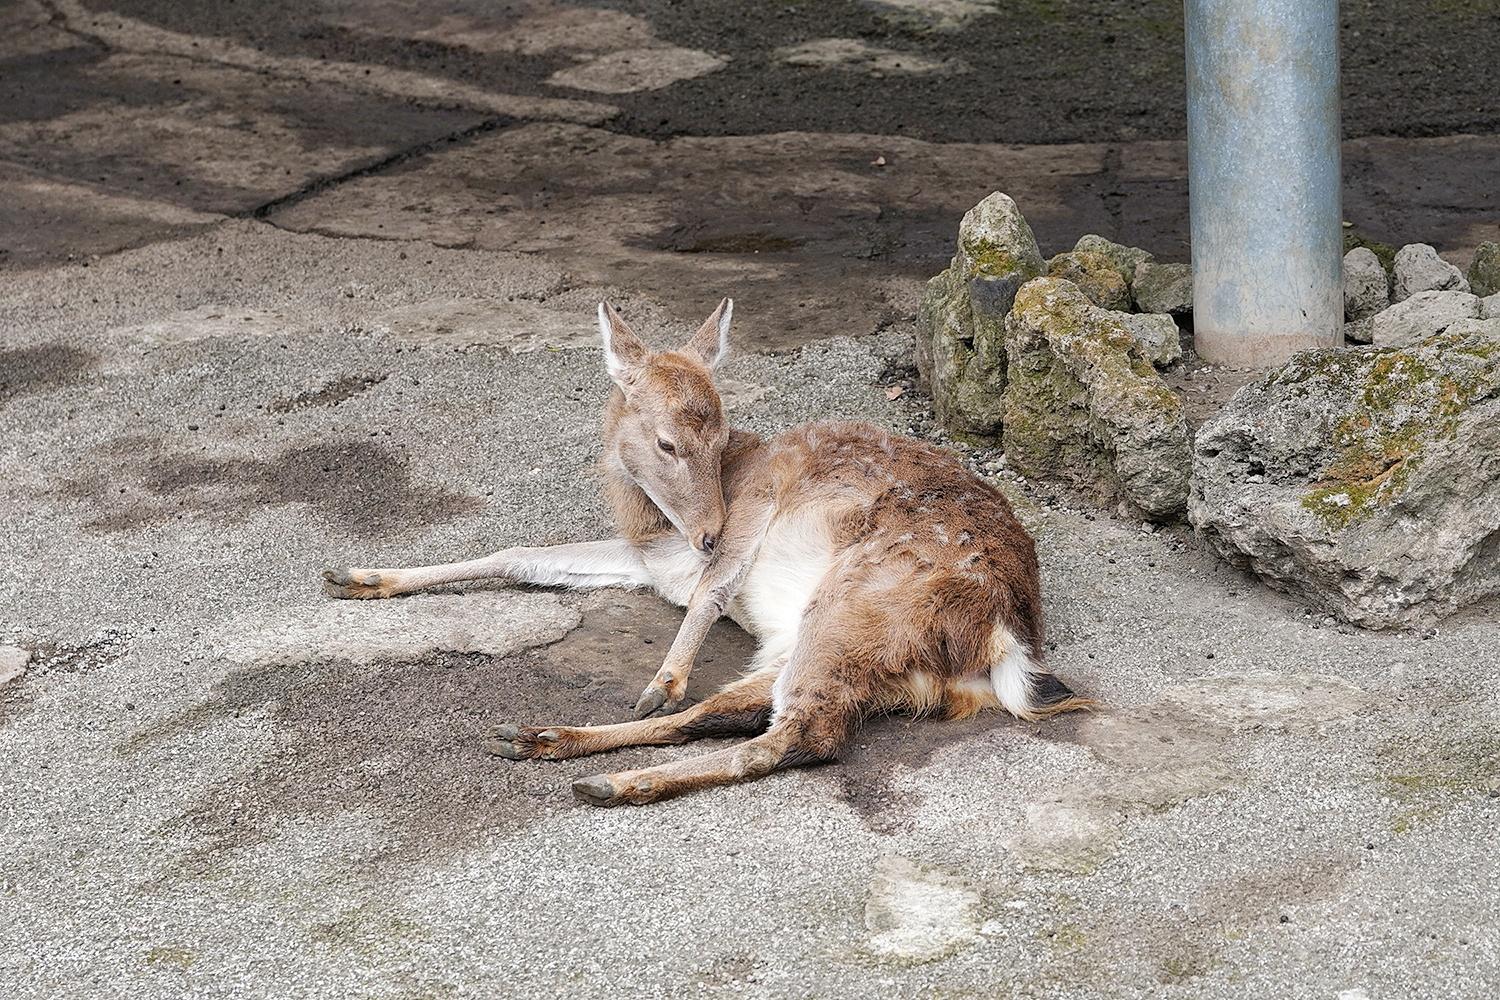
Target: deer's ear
{"x":624,"y":354}
{"x":711,"y":342}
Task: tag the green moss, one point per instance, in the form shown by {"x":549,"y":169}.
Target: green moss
{"x":1066,"y":937}
{"x":1403,"y":403}
{"x":1433,"y":776}
{"x":988,"y":260}
{"x":171,"y":954}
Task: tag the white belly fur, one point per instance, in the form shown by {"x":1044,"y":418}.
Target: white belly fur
{"x":792,"y":560}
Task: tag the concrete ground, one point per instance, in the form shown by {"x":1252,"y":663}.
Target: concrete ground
{"x":294,"y":285}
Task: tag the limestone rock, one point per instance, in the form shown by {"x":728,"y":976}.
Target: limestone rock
{"x":1420,"y":269}
{"x":1163,"y":288}
{"x":1489,"y":306}
{"x":1366,"y":288}
{"x":1362,"y":480}
{"x":1095,"y":275}
{"x":960,"y":352}
{"x":1484,"y":273}
{"x":1360,"y":331}
{"x":1083,"y":404}
{"x":1122,"y":257}
{"x":1384,"y":252}
{"x":1422,"y":315}
{"x":1157,"y":335}
{"x":1476,"y":327}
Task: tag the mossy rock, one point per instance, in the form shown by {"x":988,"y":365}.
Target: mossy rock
{"x":1095,"y":275}
{"x":1484,"y":273}
{"x":1363,"y":480}
{"x":960,"y":321}
{"x":1122,"y":258}
{"x":1384,"y":252}
{"x":1083,"y":405}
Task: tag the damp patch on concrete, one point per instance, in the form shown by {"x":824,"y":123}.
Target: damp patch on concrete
{"x":355,"y":485}
{"x":42,"y":368}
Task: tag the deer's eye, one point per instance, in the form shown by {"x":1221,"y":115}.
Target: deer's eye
{"x":666,"y":446}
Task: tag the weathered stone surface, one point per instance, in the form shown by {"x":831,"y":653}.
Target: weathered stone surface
{"x":960,"y":351}
{"x":496,"y":623}
{"x":1420,"y":269}
{"x":1360,"y":331}
{"x":1163,"y":288}
{"x":1084,"y":405}
{"x":1366,"y":285}
{"x":917,"y":914}
{"x":1122,"y":257}
{"x":1422,"y":315}
{"x":1484,"y":272}
{"x":1363,"y":480}
{"x":1384,"y":252}
{"x":1471,"y":327}
{"x":13,"y":660}
{"x":1095,"y":275}
{"x":1489,"y":306}
{"x":1156,"y":334}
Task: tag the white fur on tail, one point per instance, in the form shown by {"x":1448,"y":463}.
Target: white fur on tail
{"x":1011,"y":673}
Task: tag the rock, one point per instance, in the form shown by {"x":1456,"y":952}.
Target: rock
{"x":1157,"y":334}
{"x":1362,"y":480}
{"x":1095,"y":275}
{"x":1484,"y":272}
{"x":1360,"y":331}
{"x":960,"y":351}
{"x":1366,"y":286}
{"x":1122,"y":257}
{"x":1420,"y":269}
{"x":1384,"y":252}
{"x":1082,"y":403}
{"x":1489,"y":306}
{"x":13,"y":660}
{"x":1422,"y":315}
{"x":917,"y":914}
{"x":1476,"y":327}
{"x":1163,"y":288}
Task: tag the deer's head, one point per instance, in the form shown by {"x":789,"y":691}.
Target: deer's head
{"x":666,"y":429}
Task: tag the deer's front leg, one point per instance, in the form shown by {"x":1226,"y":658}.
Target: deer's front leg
{"x":720,"y":582}
{"x":612,"y":562}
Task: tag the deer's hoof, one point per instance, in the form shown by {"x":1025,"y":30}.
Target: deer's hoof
{"x":596,"y":790}
{"x":354,"y":584}
{"x":654,"y":697}
{"x":526,"y":743}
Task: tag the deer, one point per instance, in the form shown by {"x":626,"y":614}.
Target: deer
{"x":875,"y":571}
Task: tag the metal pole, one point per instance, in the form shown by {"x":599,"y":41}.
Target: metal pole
{"x":1263,"y":178}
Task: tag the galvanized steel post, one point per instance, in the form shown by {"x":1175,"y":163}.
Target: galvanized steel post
{"x":1263,"y":178}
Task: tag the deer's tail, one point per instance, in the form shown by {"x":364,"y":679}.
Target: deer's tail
{"x":1025,"y":689}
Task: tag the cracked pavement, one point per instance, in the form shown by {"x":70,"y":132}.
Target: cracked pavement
{"x":291,"y":285}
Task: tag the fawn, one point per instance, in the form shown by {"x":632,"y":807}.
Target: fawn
{"x":875,"y":571}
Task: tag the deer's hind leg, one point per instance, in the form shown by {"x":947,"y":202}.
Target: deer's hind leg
{"x":738,"y":709}
{"x":818,"y":699}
